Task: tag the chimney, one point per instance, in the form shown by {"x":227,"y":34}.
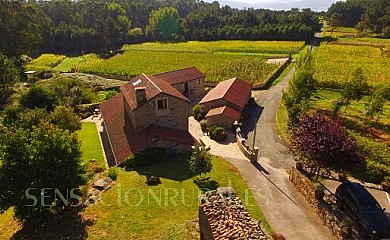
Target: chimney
{"x":140,"y":94}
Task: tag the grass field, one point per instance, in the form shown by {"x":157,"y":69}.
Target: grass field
{"x":134,"y":210}
{"x":90,"y":143}
{"x":68,"y":64}
{"x":334,"y":64}
{"x":373,"y":139}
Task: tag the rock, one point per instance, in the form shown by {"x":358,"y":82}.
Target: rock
{"x":103,"y":184}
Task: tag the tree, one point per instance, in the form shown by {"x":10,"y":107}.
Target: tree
{"x":9,"y":75}
{"x":66,"y":119}
{"x":374,"y":106}
{"x":325,"y":143}
{"x":39,"y":97}
{"x":200,"y":161}
{"x":355,"y":88}
{"x":164,"y":24}
{"x":36,"y":162}
{"x":300,"y":89}
{"x":335,"y":20}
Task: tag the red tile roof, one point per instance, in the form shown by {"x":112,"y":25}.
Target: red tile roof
{"x":123,"y":138}
{"x":225,"y":111}
{"x":235,"y":91}
{"x":153,"y":87}
{"x":181,"y":75}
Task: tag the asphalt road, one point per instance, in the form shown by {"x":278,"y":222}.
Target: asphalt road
{"x":265,"y":109}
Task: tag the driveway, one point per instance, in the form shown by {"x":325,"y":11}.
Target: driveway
{"x":265,"y":109}
{"x":283,"y":205}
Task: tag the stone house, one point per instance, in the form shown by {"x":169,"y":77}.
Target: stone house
{"x":148,"y":112}
{"x":224,"y":104}
{"x":188,"y":81}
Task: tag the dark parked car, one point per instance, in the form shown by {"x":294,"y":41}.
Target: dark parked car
{"x":363,"y":210}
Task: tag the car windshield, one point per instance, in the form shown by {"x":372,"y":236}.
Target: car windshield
{"x":370,"y":208}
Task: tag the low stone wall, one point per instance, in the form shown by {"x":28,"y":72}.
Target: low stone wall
{"x":245,"y":149}
{"x":327,"y":209}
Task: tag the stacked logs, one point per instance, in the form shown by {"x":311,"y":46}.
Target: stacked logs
{"x":228,"y":217}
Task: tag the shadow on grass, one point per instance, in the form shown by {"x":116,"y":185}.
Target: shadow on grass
{"x":66,"y":225}
{"x":176,"y":169}
{"x":205,"y":184}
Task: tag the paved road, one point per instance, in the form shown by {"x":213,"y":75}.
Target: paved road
{"x":267,"y":103}
{"x":283,"y":205}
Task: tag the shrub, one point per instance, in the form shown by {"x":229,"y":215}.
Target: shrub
{"x":325,"y":142}
{"x":113,"y":173}
{"x":203,"y":125}
{"x":146,"y":157}
{"x":196,"y":112}
{"x":218,"y":133}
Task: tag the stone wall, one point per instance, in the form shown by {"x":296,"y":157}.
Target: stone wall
{"x":220,"y":120}
{"x":327,"y":209}
{"x":245,"y":149}
{"x":176,"y":116}
{"x":196,"y":89}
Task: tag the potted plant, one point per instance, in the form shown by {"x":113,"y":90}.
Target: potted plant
{"x":346,"y":229}
{"x":386,"y":184}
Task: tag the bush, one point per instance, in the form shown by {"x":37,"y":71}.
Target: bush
{"x":196,"y":112}
{"x":146,"y":157}
{"x":113,"y":173}
{"x":218,"y":133}
{"x":203,"y":125}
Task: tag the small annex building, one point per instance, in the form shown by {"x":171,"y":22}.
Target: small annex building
{"x":148,"y":112}
{"x":224,"y":104}
{"x":188,"y":81}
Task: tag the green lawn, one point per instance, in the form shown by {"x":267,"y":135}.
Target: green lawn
{"x":68,"y":64}
{"x":90,"y":143}
{"x":134,"y":210}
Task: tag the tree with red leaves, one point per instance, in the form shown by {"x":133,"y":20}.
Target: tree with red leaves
{"x":324,"y":142}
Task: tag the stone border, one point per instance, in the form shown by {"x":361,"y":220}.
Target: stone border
{"x":245,"y":149}
{"x":327,"y":209}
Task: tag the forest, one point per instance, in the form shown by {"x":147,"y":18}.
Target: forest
{"x":74,"y":27}
{"x":368,"y":16}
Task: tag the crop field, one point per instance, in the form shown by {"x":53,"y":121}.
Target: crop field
{"x":68,"y":64}
{"x":217,"y":67}
{"x":45,"y":62}
{"x":261,"y":47}
{"x":334,"y":64}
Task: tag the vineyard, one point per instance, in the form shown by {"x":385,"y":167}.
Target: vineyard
{"x":260,"y":47}
{"x":45,"y":62}
{"x":216,"y":67}
{"x":334,"y":64}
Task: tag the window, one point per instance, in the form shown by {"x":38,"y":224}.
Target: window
{"x":198,"y":81}
{"x":162,"y":104}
